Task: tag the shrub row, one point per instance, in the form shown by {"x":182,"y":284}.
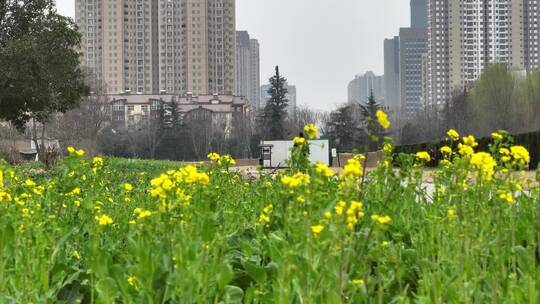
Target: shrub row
{"x":530,"y":140}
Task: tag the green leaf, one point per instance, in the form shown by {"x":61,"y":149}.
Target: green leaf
{"x":256,"y":272}
{"x":106,"y":290}
{"x":224,"y":275}
{"x":233,"y":294}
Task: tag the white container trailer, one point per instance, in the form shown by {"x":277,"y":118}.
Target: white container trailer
{"x":278,"y":151}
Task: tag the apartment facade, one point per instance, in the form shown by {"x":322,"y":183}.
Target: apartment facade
{"x":159,"y":46}
{"x":465,"y":36}
{"x":361,"y":87}
{"x":247,"y":68}
{"x":132,"y":110}
{"x":412,"y":45}
{"x":391,"y":73}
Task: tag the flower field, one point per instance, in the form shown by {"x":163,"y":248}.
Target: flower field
{"x":97,"y":230}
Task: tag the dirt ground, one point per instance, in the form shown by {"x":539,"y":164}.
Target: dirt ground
{"x":251,"y":171}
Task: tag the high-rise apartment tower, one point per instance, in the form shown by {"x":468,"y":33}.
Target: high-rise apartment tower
{"x":159,"y":46}
{"x":247,"y":68}
{"x":465,"y":36}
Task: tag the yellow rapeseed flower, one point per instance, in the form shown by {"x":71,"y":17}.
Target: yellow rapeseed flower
{"x":143,"y":214}
{"x":451,"y":213}
{"x":453,"y":134}
{"x":71,"y":150}
{"x":311,"y":131}
{"x":299,"y":141}
{"x":382,"y":118}
{"x":484,"y":163}
{"x":446,"y":150}
{"x":423,"y":156}
{"x":79,"y":152}
{"x":507,"y":197}
{"x":213,"y":156}
{"x":317,"y":229}
{"x":358,"y":282}
{"x":104,"y":220}
{"x":353,"y":168}
{"x":387,"y":148}
{"x":496,"y":136}
{"x":298,"y":179}
{"x":323,"y":169}
{"x":520,"y":155}
{"x":128,"y":187}
{"x":133,"y":282}
{"x":465,"y":150}
{"x":381,"y":219}
{"x":470,"y":141}
{"x":97,"y":162}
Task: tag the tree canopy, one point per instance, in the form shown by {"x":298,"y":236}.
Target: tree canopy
{"x":40,"y":70}
{"x":275,"y":110}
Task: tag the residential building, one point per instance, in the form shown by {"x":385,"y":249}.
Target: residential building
{"x":291,"y":97}
{"x":391,"y":74}
{"x":466,"y":36}
{"x":129,"y":110}
{"x":419,"y":16}
{"x":247,"y":68}
{"x":158,"y":46}
{"x":254,"y":93}
{"x":361,"y":87}
{"x":412,"y":45}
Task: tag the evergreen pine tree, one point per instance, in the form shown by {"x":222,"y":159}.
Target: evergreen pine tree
{"x":275,"y":110}
{"x":341,"y":129}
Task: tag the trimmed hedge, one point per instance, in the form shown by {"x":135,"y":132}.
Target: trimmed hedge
{"x":530,"y":140}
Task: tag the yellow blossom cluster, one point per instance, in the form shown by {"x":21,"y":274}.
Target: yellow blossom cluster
{"x":97,"y":162}
{"x":521,"y":155}
{"x":507,"y":197}
{"x":163,"y":184}
{"x":496,"y":136}
{"x":446,"y":150}
{"x":382,"y":118}
{"x":453,"y":135}
{"x":353,"y":212}
{"x":299,"y":141}
{"x":381,"y":219}
{"x":141,"y":213}
{"x":387,"y":148}
{"x":317,"y":229}
{"x":353,"y":168}
{"x":423,"y":156}
{"x":485,"y":165}
{"x":467,"y":147}
{"x":298,"y":179}
{"x":264,"y":218}
{"x":226,"y":160}
{"x":104,"y":220}
{"x":323,"y":169}
{"x":311,"y":131}
{"x":213,"y":157}
{"x":73,"y":151}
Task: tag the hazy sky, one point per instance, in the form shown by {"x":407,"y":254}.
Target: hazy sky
{"x":319,"y":44}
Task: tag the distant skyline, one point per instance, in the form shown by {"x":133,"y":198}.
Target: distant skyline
{"x":320,"y":45}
